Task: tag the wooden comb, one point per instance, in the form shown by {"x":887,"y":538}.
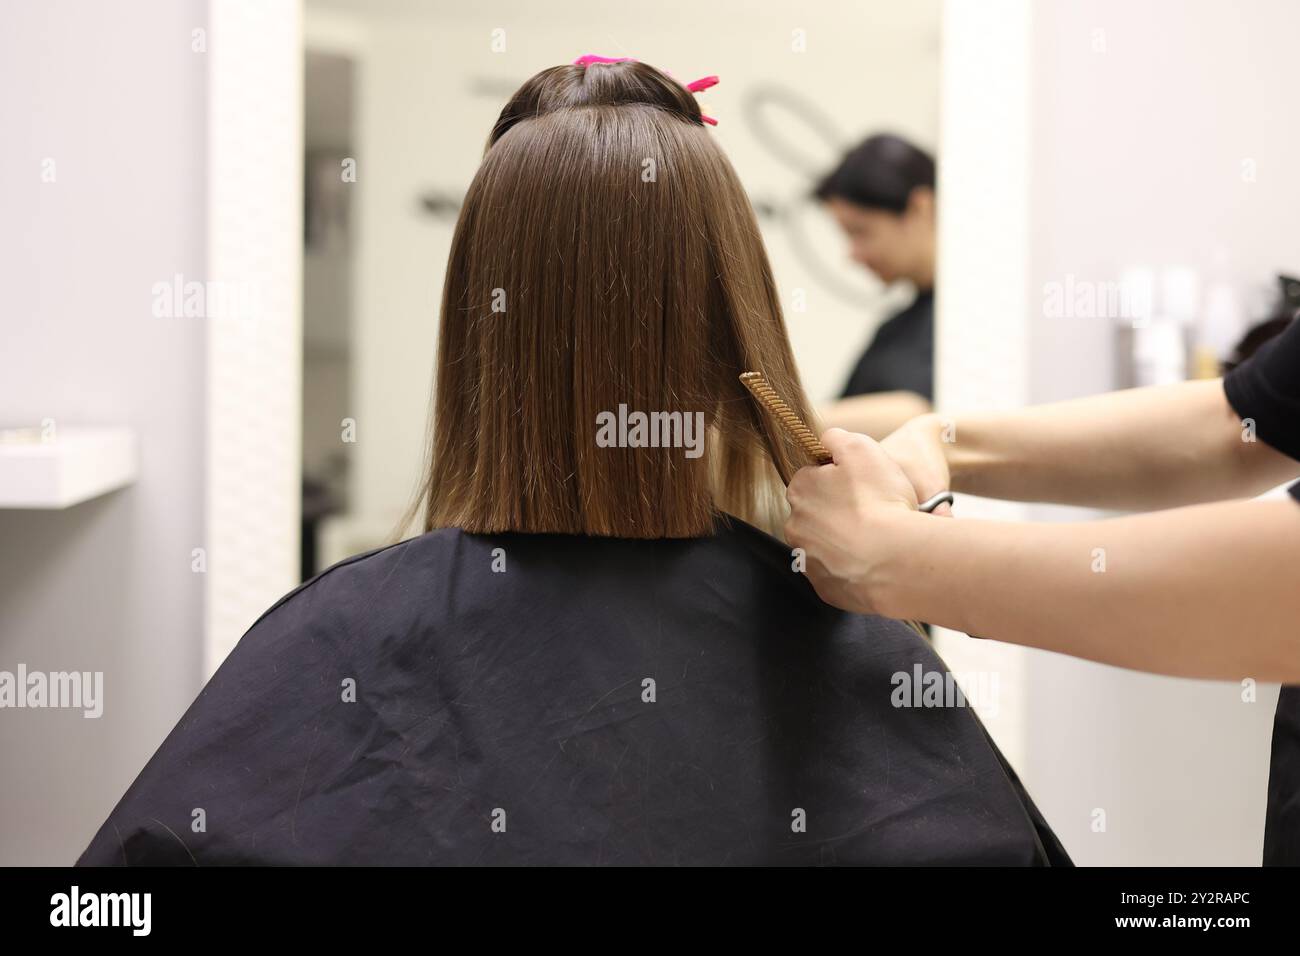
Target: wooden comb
{"x":802,"y":435}
{"x":791,"y":423}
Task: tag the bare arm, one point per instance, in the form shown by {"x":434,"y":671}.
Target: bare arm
{"x":1202,"y":591}
{"x":876,"y":414}
{"x":1137,"y":449}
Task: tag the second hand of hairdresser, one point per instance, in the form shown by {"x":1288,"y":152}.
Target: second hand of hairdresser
{"x":1198,"y":590}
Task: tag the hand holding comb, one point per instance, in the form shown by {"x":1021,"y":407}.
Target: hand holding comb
{"x":812,"y":446}
{"x":803,"y":436}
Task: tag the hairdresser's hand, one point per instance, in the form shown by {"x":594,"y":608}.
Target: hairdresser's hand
{"x":841,"y":515}
{"x":917,"y":448}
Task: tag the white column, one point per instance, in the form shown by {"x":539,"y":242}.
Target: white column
{"x":982,"y":344}
{"x":254,"y":360}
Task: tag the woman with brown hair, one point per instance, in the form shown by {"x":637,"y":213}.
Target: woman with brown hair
{"x":592,"y":654}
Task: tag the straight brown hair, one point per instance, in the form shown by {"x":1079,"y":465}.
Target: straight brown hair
{"x":606,"y":254}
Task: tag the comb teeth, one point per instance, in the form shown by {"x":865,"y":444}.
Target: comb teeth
{"x":792,"y":424}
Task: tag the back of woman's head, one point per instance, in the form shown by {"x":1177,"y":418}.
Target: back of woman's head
{"x":606,"y":265}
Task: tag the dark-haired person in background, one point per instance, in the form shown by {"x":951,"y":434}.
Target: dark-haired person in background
{"x":882,"y":196}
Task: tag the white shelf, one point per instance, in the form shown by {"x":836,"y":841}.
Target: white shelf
{"x":80,"y":463}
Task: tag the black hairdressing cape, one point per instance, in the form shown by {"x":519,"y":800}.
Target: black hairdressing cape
{"x":548,"y":699}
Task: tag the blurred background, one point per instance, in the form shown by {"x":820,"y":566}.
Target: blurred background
{"x":225,"y":225}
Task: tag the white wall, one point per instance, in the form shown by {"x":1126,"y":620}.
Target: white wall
{"x":114,"y":95}
{"x":431,"y":86}
{"x":1139,"y":117}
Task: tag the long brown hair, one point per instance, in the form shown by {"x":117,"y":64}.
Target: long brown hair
{"x":606,"y":254}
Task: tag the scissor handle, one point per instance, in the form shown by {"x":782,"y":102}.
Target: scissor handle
{"x":942,"y":498}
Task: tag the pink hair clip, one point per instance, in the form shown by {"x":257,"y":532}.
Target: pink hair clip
{"x":696,"y":86}
{"x":588,"y":58}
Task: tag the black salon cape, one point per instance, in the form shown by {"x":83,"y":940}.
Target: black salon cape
{"x":598,"y":701}
{"x":1266,"y":389}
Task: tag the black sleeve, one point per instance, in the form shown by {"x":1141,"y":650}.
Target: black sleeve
{"x":901,"y":355}
{"x":1266,"y":389}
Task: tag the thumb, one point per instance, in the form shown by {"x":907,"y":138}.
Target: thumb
{"x":850,"y":448}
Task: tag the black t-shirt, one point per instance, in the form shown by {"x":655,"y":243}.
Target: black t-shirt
{"x":1266,"y":389}
{"x":557,"y":699}
{"x":901,"y":354}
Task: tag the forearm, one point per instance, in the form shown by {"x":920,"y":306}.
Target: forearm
{"x":1206,"y":591}
{"x":876,"y":414}
{"x":1136,"y":449}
